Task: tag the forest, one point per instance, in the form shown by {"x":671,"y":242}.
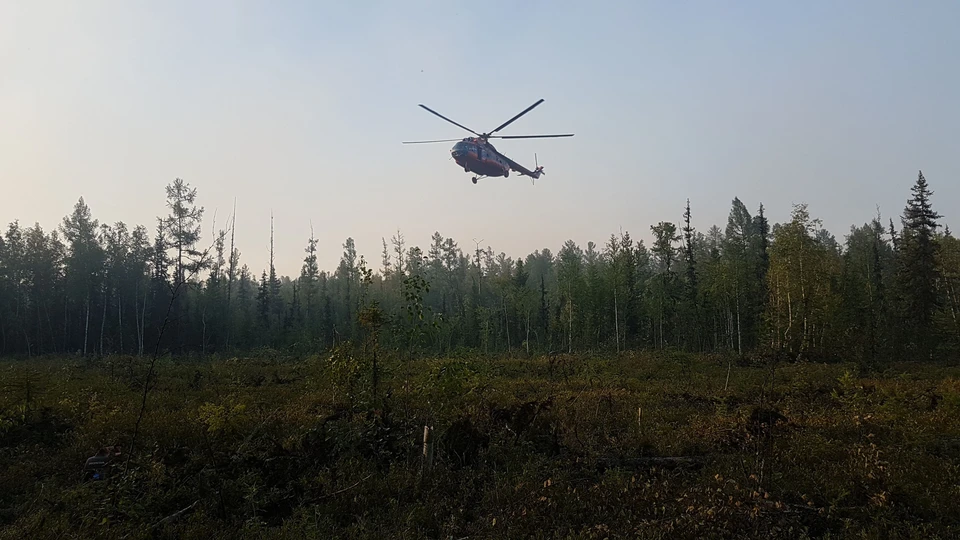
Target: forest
{"x":753,"y":380}
{"x":886,"y":291}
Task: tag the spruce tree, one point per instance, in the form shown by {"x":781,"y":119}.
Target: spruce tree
{"x":688,"y":254}
{"x":263,"y":301}
{"x":385,"y":260}
{"x":761,"y":229}
{"x":309,"y":277}
{"x":918,"y":263}
{"x":275,"y":308}
{"x":692,"y":286}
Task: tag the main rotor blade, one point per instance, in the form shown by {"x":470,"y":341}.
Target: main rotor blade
{"x":510,"y":121}
{"x":530,"y":136}
{"x":449,"y":120}
{"x":438,"y":140}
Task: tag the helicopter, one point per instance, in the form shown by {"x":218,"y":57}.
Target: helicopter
{"x":476,"y":154}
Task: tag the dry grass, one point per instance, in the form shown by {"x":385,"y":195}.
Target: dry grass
{"x":544,"y":448}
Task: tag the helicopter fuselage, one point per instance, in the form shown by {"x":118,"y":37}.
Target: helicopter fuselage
{"x":482,"y":158}
{"x":476,"y":154}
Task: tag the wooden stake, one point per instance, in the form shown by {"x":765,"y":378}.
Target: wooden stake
{"x":427,"y":448}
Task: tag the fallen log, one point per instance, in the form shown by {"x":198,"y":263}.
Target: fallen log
{"x":665,"y":462}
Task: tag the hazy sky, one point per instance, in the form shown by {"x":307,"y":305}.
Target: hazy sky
{"x":299,"y":108}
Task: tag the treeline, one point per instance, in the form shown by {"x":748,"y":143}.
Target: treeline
{"x":749,"y":287}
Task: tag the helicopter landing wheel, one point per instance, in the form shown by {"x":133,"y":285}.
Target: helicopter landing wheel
{"x":506,"y":174}
{"x":474,"y":179}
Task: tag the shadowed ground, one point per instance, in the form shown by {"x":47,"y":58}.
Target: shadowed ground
{"x":646,"y":445}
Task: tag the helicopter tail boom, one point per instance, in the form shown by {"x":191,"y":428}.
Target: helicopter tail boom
{"x":534,"y":174}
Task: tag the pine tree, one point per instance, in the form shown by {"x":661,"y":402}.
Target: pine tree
{"x":182,"y":232}
{"x":84,"y":262}
{"x":740,"y":279}
{"x":182,"y":229}
{"x":665,"y":236}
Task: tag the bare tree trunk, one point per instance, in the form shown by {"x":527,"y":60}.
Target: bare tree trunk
{"x":26,"y":339}
{"x":39,"y":331}
{"x":233,"y":270}
{"x":53,"y":342}
{"x":136,"y":314}
{"x":788,"y":333}
{"x":739,"y":328}
{"x":803,"y":299}
{"x":716,"y":331}
{"x":143,"y":321}
{"x":23,"y":327}
{"x":140,"y":315}
{"x":953,"y":304}
{"x":528,"y":333}
{"x":103,"y":319}
{"x":86,"y":327}
{"x":203,"y":334}
{"x":484,"y":321}
{"x":120,"y":319}
{"x":730,"y":326}
{"x":149,"y":376}
{"x":660,"y":329}
{"x":506,"y":321}
{"x":616,"y":318}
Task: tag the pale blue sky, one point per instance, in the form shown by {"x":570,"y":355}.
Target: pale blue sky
{"x":300,"y":107}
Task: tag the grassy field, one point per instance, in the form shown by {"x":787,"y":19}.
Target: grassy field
{"x":640,"y":445}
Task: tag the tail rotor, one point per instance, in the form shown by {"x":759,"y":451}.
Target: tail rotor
{"x":537,"y":171}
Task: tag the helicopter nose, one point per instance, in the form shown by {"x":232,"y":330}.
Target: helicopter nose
{"x":460,"y":151}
